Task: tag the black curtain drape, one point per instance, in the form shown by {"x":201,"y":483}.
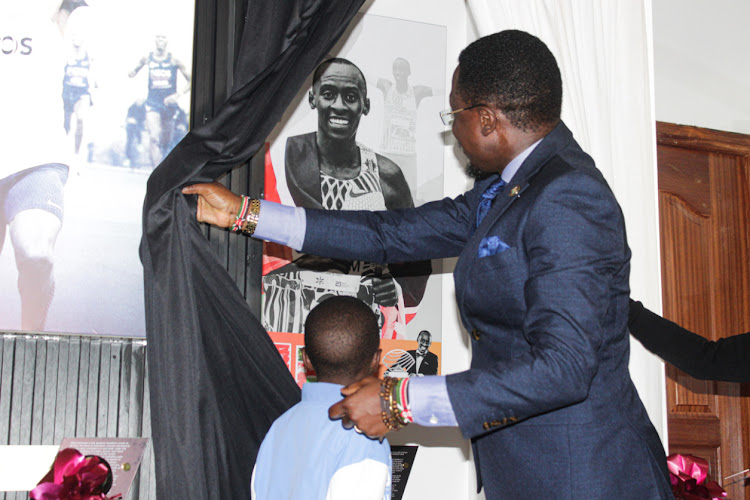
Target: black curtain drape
{"x":216,"y":379}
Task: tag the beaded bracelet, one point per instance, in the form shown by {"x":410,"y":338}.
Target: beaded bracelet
{"x":247,"y":217}
{"x":386,"y":386}
{"x":395,"y":412}
{"x":384,"y":411}
{"x":241,"y":214}
{"x":386,"y":399}
{"x":390,"y":401}
{"x":402,"y":400}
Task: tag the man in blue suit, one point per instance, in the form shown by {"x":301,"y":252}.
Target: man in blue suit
{"x":541,"y":284}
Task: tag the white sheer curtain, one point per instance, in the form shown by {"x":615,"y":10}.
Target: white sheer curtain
{"x":604,"y":51}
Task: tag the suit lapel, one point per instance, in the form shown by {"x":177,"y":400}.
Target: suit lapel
{"x":552,"y":143}
{"x":548,"y":148}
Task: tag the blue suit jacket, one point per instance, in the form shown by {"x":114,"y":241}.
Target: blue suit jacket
{"x":548,"y":401}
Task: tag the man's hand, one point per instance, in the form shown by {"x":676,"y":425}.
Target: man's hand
{"x":217,"y":205}
{"x":361,"y":408}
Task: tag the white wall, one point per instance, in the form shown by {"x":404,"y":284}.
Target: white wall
{"x":702,"y":63}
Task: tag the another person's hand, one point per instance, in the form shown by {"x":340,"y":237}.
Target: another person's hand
{"x":360,"y":408}
{"x":217,"y":205}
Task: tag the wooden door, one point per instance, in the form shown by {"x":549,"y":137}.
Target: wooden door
{"x":704,"y":218}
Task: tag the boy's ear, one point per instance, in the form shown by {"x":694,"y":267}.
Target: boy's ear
{"x":306,"y":361}
{"x":375,"y":363}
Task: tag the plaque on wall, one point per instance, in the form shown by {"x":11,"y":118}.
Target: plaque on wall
{"x":402,"y":459}
{"x":123,"y":455}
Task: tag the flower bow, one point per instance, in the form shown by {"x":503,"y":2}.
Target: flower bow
{"x":689,"y":475}
{"x":75,"y":477}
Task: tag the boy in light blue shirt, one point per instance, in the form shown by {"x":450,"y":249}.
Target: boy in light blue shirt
{"x":305,"y":454}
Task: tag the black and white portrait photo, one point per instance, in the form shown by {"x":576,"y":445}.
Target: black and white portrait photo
{"x":363,"y":134}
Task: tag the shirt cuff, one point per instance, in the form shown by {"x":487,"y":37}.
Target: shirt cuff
{"x":429,"y":402}
{"x":281,"y":224}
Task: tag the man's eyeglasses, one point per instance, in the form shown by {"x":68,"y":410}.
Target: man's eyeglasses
{"x":447,"y":114}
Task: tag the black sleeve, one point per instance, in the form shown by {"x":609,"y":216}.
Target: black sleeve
{"x":727,"y":359}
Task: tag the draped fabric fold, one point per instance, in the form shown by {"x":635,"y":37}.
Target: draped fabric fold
{"x":216,"y":379}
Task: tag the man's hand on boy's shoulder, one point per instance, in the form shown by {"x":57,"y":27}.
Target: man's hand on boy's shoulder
{"x":360,"y":408}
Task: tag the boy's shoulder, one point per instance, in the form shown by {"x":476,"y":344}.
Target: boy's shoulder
{"x":307,"y":423}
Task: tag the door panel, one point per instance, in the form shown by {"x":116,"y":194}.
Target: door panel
{"x":704,"y":211}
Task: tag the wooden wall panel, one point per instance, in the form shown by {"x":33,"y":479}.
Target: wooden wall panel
{"x":684,"y":278}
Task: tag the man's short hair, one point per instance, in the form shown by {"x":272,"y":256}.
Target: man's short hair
{"x":515,"y":72}
{"x":341,"y":336}
{"x":425,"y":332}
{"x":338,"y":60}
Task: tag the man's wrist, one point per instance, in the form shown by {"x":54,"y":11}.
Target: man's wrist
{"x":429,"y":402}
{"x":394,"y":412}
{"x":234,"y":207}
{"x":247,"y":216}
{"x":281,"y":224}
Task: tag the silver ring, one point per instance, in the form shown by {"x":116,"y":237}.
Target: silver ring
{"x":357,"y":430}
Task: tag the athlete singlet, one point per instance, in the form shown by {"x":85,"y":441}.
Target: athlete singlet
{"x":292,"y":291}
{"x":76,"y":75}
{"x":75,"y":84}
{"x":361,"y":193}
{"x":162,"y":80}
{"x":400,"y":122}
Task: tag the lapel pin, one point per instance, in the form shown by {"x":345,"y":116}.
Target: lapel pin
{"x":514,"y":191}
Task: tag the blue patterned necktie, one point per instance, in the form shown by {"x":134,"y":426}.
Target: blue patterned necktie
{"x":487,"y":197}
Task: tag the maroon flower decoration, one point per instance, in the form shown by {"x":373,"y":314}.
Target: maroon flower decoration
{"x":689,"y":477}
{"x":75,"y":477}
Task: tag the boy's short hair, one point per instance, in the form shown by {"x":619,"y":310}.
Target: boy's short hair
{"x":341,"y":336}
